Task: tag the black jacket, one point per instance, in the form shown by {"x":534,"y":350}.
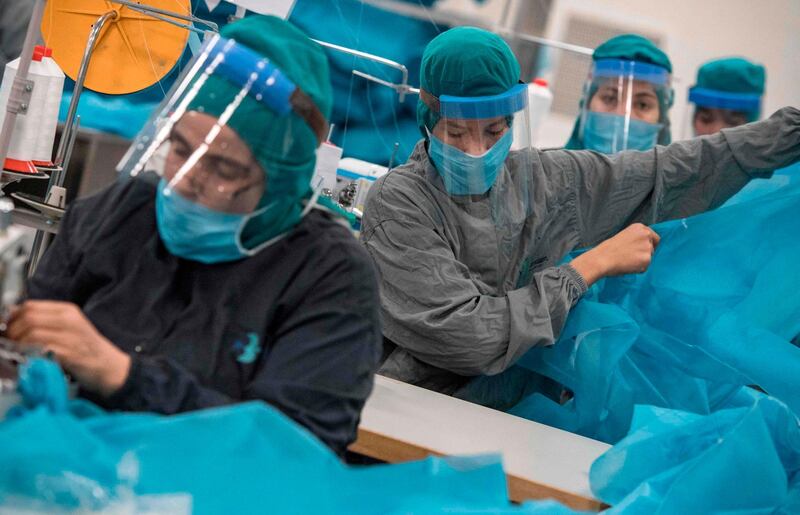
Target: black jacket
{"x":296,"y":325}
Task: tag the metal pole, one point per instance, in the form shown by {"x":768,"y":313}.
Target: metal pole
{"x":40,"y":243}
{"x":451,"y":19}
{"x":148,"y":9}
{"x":167,"y":19}
{"x":76,"y":92}
{"x":42,"y":238}
{"x":22,"y":76}
{"x":401,"y":88}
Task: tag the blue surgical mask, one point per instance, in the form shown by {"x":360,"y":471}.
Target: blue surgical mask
{"x":605,"y":132}
{"x":465,"y":174}
{"x":193,"y":231}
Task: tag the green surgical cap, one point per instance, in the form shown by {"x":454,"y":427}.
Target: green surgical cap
{"x":633,"y":47}
{"x":630,"y":47}
{"x":465,"y":62}
{"x":733,"y":75}
{"x":284,"y":146}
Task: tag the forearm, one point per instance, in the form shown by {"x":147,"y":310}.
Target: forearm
{"x":160,"y":385}
{"x":484,"y":334}
{"x":680,"y":180}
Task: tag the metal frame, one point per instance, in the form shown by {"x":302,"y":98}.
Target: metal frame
{"x":423,"y":13}
{"x":57,"y":177}
{"x":22,"y":85}
{"x":164,"y":15}
{"x":402,"y":89}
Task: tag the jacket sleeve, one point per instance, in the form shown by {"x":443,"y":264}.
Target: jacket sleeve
{"x":447,"y":322}
{"x":318,"y":370}
{"x":676,"y":181}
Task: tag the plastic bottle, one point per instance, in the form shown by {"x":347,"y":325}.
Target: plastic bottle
{"x":540,"y":98}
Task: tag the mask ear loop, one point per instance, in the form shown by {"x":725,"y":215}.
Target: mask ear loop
{"x":251,"y":252}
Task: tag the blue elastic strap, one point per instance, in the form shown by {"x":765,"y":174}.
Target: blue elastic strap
{"x":352,"y":175}
{"x":476,"y":108}
{"x":623,"y":68}
{"x":271,"y":88}
{"x":745,"y":102}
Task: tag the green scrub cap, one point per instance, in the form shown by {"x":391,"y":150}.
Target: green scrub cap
{"x":631,"y":47}
{"x":733,"y":75}
{"x":464,"y":61}
{"x":284,"y":146}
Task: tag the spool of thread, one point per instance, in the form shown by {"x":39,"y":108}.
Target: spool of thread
{"x":35,"y":131}
{"x":540,"y":98}
{"x":54,"y":78}
{"x":328,"y":156}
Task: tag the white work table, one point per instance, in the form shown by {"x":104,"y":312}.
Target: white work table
{"x":401,"y":422}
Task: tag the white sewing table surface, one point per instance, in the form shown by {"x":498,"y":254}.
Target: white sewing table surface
{"x":401,"y":422}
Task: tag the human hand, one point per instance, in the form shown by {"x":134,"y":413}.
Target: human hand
{"x":628,"y":252}
{"x":62,"y":329}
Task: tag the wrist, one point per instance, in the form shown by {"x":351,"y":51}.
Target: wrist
{"x":114,"y":372}
{"x":591,"y":265}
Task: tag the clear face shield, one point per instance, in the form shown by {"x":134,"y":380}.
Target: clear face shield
{"x":472,"y":140}
{"x":710,"y":111}
{"x":199,"y":148}
{"x":625,"y":106}
{"x":483,"y":177}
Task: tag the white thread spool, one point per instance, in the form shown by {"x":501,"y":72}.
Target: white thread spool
{"x":53,"y":77}
{"x":34,"y":133}
{"x":540,"y":98}
{"x":328,"y":156}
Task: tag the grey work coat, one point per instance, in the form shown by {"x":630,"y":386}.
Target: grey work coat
{"x":454,"y":309}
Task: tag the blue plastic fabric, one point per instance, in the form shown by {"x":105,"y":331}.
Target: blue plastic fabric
{"x":785,"y":178}
{"x":745,"y":102}
{"x":479,"y":108}
{"x":736,"y":461}
{"x":129,"y":116}
{"x":631,"y":69}
{"x":716,"y":311}
{"x":248,"y":458}
{"x":369,"y":118}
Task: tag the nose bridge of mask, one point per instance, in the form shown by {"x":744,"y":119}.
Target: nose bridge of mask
{"x":610,"y":133}
{"x":464,"y":174}
{"x":452,"y":148}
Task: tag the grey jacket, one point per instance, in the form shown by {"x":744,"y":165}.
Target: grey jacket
{"x":14,"y":17}
{"x":455,"y":306}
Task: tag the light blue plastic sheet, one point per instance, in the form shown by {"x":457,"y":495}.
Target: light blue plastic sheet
{"x":785,"y":178}
{"x":716,"y":311}
{"x":248,"y":458}
{"x":735,"y":461}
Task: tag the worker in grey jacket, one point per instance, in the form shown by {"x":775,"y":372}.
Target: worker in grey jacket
{"x":14,"y":16}
{"x":469,"y":234}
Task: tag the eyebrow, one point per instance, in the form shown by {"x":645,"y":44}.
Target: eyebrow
{"x":177,"y":134}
